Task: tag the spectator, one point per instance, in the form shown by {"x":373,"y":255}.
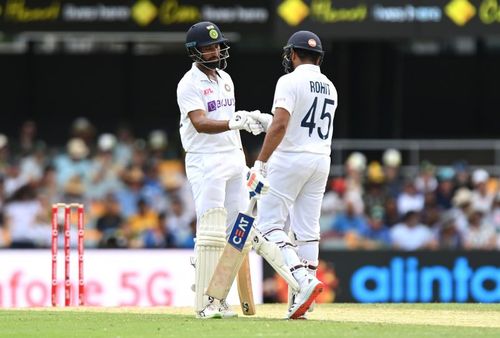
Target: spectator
{"x":27,"y":143}
{"x":348,"y":221}
{"x":333,"y":202}
{"x":158,"y":142}
{"x":74,"y":163}
{"x":375,"y":234}
{"x":33,"y":163}
{"x":110,"y":225}
{"x":47,"y":186}
{"x":375,"y":193}
{"x":448,"y":236}
{"x":493,"y":217}
{"x":479,"y":235}
{"x":462,"y":206}
{"x":13,"y":179}
{"x":391,"y":160}
{"x":4,"y":154}
{"x":130,"y":193}
{"x":410,"y":234}
{"x":410,"y":199}
{"x":426,"y":179}
{"x":462,"y":175}
{"x":178,"y":224}
{"x":104,"y":172}
{"x":355,"y":168}
{"x":83,"y":129}
{"x":143,"y":228}
{"x":391,"y":215}
{"x":21,"y":213}
{"x":481,"y":197}
{"x":445,"y":189}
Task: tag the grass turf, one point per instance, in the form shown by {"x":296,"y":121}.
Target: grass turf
{"x":328,"y":320}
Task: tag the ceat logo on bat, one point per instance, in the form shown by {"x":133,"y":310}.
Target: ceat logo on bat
{"x":241,"y":229}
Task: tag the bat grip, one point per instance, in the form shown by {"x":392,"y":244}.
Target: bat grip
{"x":251,"y":206}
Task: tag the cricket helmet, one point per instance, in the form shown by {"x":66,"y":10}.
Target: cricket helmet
{"x":203,"y":34}
{"x":304,"y":40}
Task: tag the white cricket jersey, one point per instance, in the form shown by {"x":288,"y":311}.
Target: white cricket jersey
{"x":311,"y":99}
{"x":196,"y":91}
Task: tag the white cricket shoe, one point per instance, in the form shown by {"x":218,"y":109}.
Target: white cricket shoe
{"x":211,"y":311}
{"x":226,"y":311}
{"x":309,"y":290}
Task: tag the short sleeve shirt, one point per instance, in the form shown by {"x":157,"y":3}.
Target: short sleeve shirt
{"x":311,"y":99}
{"x":196,"y":91}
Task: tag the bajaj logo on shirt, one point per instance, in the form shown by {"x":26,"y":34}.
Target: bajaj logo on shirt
{"x":215,"y":104}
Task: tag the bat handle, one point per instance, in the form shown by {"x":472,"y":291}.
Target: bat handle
{"x":251,"y":206}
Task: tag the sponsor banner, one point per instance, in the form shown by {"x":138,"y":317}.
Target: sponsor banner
{"x":409,"y":277}
{"x":132,"y":15}
{"x":112,"y":278}
{"x":388,"y":18}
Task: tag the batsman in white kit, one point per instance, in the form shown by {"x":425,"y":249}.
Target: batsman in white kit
{"x":215,"y":162}
{"x":295,"y":162}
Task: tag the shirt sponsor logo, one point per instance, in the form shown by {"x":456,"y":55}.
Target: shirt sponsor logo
{"x":215,"y":104}
{"x":207,"y":91}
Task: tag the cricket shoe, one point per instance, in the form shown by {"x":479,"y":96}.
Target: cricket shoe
{"x":304,"y":316}
{"x":211,"y":311}
{"x":226,"y":311}
{"x":309,"y":290}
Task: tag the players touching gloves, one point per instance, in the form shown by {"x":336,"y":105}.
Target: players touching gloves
{"x":254,"y":121}
{"x":243,"y":119}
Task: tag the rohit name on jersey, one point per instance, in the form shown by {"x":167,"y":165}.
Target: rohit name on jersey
{"x":213,"y":105}
{"x":319,"y":87}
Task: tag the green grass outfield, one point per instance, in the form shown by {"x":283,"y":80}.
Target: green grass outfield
{"x":332,"y":320}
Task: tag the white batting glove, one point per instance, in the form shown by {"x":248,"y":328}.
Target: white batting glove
{"x":253,"y":126}
{"x":238,"y":120}
{"x":257,"y":183}
{"x":264,"y":119}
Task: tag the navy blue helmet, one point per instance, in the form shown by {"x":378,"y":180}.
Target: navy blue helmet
{"x":203,"y":34}
{"x":303,"y":40}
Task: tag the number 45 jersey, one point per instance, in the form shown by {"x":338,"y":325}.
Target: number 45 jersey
{"x":311,"y":99}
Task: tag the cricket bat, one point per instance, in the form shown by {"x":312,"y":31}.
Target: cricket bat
{"x":245,"y":290}
{"x":232,"y":258}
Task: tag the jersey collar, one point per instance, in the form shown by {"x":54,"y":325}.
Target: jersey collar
{"x":308,"y":67}
{"x":199,"y":75}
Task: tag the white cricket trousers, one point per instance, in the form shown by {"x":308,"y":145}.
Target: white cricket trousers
{"x":218,"y":181}
{"x":296,"y":180}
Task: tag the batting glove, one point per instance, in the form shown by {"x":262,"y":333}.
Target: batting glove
{"x":257,"y":183}
{"x":238,"y":120}
{"x":264,"y":119}
{"x":253,"y":126}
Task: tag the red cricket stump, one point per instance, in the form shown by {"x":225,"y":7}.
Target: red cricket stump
{"x":67,"y":252}
{"x":81,"y":232}
{"x":55,"y":233}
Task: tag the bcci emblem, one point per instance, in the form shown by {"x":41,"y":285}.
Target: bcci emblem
{"x":213,"y":34}
{"x":227,"y":87}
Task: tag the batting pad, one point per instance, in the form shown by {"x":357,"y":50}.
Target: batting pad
{"x":272,"y":254}
{"x":210,"y":241}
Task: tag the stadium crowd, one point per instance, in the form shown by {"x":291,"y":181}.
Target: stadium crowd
{"x":136,"y":196}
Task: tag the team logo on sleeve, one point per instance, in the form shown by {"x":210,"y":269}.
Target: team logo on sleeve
{"x":227,"y":87}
